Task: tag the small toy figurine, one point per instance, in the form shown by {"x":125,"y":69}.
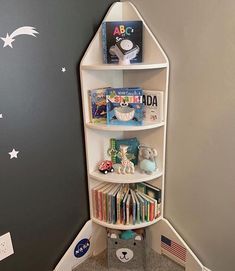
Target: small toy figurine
{"x":106,"y":166}
{"x":147,"y":159}
{"x":126,"y":165}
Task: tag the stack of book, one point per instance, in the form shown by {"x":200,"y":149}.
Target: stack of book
{"x":126,"y":204}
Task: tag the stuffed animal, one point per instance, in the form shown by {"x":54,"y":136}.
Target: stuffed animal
{"x":147,"y":159}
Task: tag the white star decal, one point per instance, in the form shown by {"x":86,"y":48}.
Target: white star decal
{"x":13,"y":154}
{"x":1,"y":116}
{"x":63,"y":69}
{"x":8,"y":41}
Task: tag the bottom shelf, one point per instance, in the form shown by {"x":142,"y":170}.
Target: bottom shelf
{"x":125,"y":227}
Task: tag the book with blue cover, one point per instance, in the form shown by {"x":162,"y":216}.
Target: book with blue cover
{"x":97,"y":99}
{"x":123,"y":36}
{"x":124,"y":106}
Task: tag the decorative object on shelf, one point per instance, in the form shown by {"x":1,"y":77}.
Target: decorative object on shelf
{"x":133,"y":149}
{"x":122,"y":42}
{"x":124,"y":106}
{"x":126,"y":253}
{"x":147,"y":159}
{"x":106,"y":166}
{"x":126,"y":166}
{"x":97,"y":103}
{"x":153,"y":106}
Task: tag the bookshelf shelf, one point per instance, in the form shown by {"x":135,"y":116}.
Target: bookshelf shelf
{"x":103,"y":190}
{"x":105,"y":127}
{"x":125,"y":227}
{"x":141,"y":66}
{"x":137,"y":177}
{"x":151,"y":74}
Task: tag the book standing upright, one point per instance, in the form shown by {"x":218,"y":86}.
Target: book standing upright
{"x":151,"y":74}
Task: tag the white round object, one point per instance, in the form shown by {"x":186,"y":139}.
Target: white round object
{"x":126,"y":45}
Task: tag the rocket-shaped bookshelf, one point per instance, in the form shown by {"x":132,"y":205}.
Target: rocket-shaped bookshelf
{"x":152,"y":73}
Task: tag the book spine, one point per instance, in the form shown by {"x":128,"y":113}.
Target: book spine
{"x":104,"y":41}
{"x":99,"y":205}
{"x":151,"y":211}
{"x":104,"y":206}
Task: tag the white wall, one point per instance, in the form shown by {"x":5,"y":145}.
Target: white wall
{"x":199,"y":39}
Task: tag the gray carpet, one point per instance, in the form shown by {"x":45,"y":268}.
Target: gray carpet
{"x":154,"y":262}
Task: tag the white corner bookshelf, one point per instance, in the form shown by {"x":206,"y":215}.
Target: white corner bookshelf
{"x":151,"y":74}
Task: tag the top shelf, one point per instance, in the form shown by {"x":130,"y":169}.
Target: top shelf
{"x":140,"y":66}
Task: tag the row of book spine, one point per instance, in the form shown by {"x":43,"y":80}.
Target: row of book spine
{"x":125,"y":204}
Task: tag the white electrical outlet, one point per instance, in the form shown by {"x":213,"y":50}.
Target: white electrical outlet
{"x":6,"y":248}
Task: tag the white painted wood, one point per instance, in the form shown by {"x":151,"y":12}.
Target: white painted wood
{"x":91,"y":231}
{"x":137,"y":66}
{"x":114,"y":177}
{"x":125,"y":227}
{"x":105,"y":127}
{"x":153,"y":74}
{"x":163,"y":227}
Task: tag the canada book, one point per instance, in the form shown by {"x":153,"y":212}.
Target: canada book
{"x":124,"y":106}
{"x":97,"y":103}
{"x":153,"y":106}
{"x":124,"y":36}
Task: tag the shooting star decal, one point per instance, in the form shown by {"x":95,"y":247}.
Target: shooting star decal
{"x":25,"y":30}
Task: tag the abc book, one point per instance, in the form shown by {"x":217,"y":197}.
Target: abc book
{"x":115,"y":32}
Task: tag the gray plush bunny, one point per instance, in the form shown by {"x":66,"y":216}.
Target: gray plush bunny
{"x":147,"y":159}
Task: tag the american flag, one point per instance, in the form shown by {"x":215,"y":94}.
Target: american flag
{"x":174,"y":248}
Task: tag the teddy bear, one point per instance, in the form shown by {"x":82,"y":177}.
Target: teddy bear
{"x":147,"y":159}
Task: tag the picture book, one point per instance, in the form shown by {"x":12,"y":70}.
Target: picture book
{"x":124,"y":106}
{"x":132,"y":151}
{"x":122,"y":39}
{"x":153,"y":106}
{"x":97,"y":102}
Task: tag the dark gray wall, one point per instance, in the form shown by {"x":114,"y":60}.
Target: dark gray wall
{"x":43,"y":193}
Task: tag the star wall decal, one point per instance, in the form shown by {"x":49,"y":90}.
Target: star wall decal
{"x":13,"y":154}
{"x":63,"y":69}
{"x":25,"y":30}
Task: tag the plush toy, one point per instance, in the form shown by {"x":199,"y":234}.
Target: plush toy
{"x":147,"y":159}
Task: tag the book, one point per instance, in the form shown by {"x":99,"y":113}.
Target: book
{"x":128,"y":209}
{"x":94,"y":192}
{"x":142,"y":207}
{"x":123,"y":37}
{"x":133,"y":205}
{"x":137,"y":208}
{"x":104,"y":201}
{"x":132,"y":151}
{"x":97,"y":102}
{"x":124,"y":106}
{"x":100,"y":200}
{"x":153,"y":106}
{"x":124,"y":207}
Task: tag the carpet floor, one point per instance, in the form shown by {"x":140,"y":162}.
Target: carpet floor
{"x":154,"y":262}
